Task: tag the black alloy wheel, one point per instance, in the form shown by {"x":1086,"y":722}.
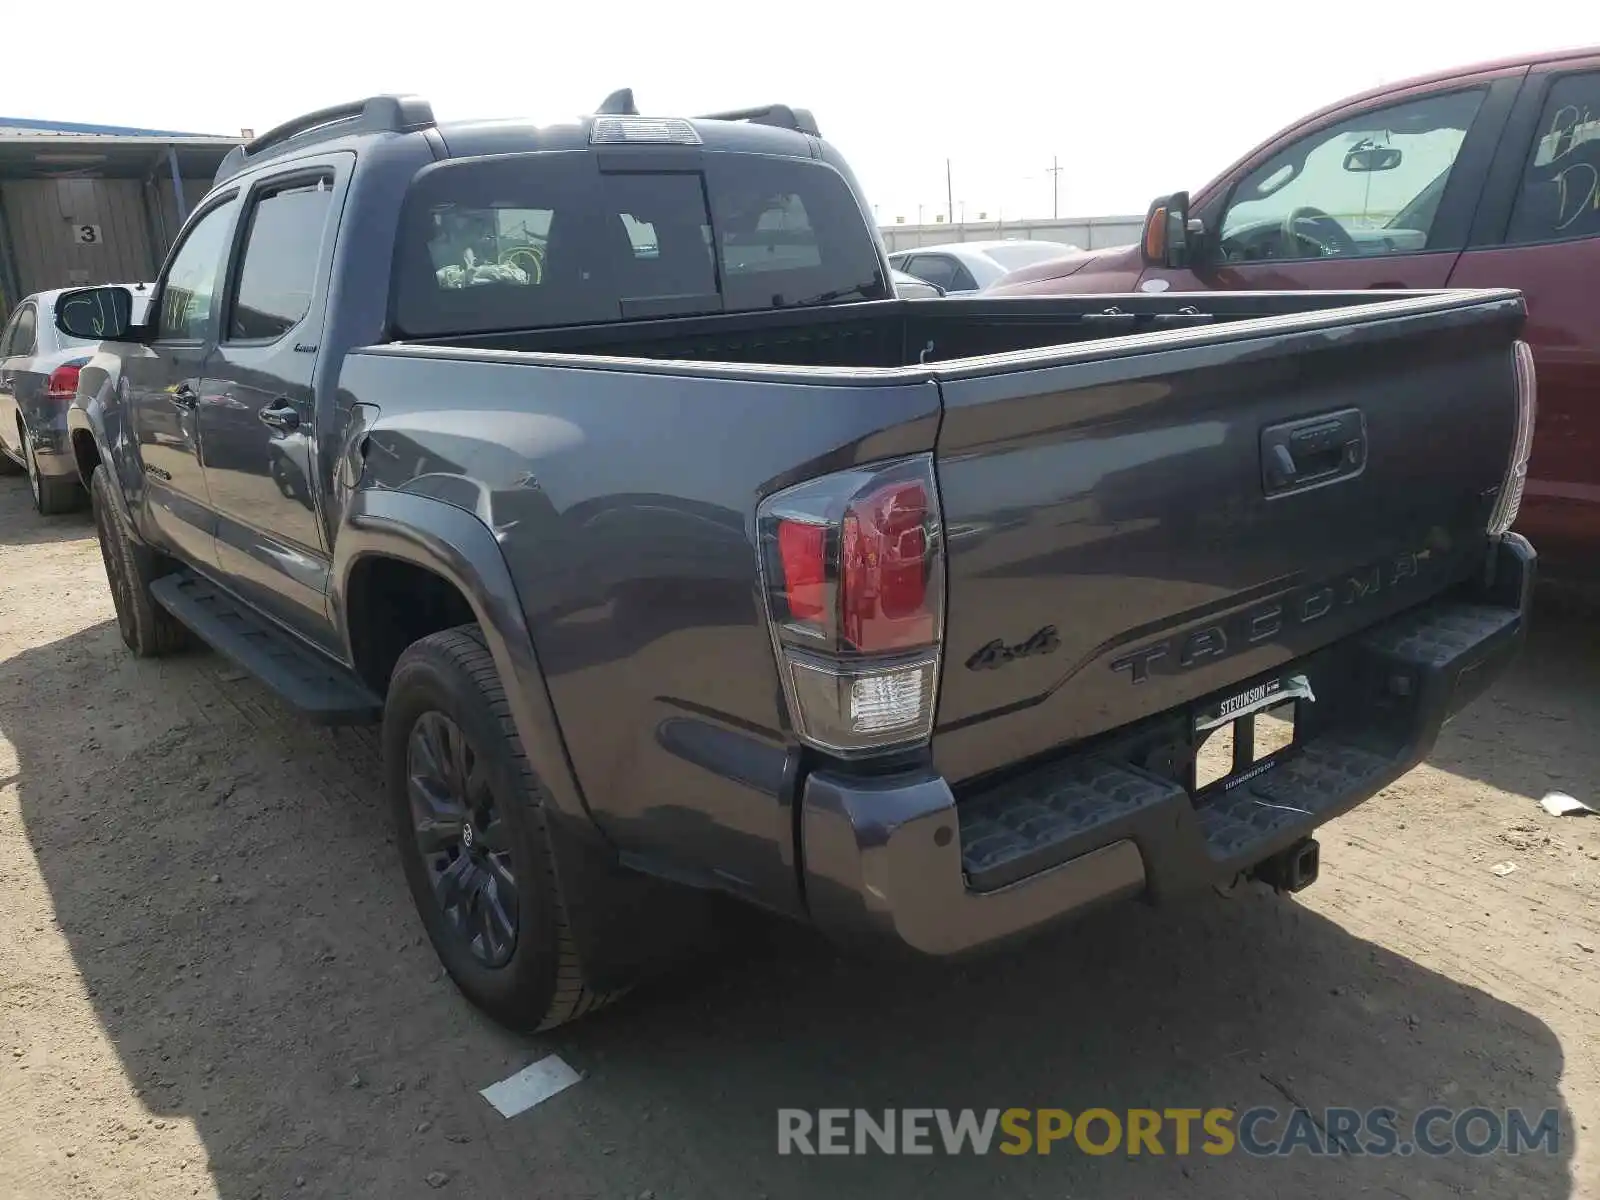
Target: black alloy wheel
{"x":462,"y":838}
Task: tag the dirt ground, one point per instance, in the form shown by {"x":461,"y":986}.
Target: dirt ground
{"x":212,"y":982}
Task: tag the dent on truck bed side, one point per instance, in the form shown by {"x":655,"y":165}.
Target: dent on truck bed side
{"x":622,"y":502}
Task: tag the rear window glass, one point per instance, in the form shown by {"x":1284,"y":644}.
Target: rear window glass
{"x":1022,"y":254}
{"x":525,"y":241}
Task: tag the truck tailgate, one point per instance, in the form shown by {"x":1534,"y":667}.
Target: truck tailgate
{"x":1135,"y":523}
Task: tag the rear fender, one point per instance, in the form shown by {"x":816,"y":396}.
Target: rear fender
{"x":455,"y":545}
{"x":625,"y":923}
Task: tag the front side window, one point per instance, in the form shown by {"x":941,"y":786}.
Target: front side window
{"x":528,"y":241}
{"x":190,"y":288}
{"x":282,"y":249}
{"x":1560,"y":194}
{"x":1366,"y":186}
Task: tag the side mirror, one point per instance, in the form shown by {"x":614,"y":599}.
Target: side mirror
{"x":97,"y":314}
{"x":1166,"y":232}
{"x":1373,"y":158}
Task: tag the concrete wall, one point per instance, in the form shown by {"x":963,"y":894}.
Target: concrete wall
{"x":1087,"y":233}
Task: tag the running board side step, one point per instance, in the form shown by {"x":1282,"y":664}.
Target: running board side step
{"x":322,"y":690}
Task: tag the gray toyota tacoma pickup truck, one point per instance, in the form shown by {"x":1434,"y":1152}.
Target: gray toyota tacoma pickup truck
{"x":597,"y":465}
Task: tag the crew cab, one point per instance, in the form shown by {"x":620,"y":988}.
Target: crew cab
{"x":1482,"y":176}
{"x":675,"y":558}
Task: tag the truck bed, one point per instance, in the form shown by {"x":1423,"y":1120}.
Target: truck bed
{"x":1104,"y":491}
{"x":901,"y":333}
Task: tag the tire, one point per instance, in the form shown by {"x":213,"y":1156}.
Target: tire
{"x":473,"y":879}
{"x":148,"y":629}
{"x":52,"y":494}
{"x":9,"y":465}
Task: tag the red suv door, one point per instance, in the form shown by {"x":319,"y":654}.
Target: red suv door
{"x":1379,"y":193}
{"x":1538,"y":230}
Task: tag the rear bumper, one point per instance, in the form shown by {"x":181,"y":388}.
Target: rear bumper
{"x":897,"y":861}
{"x":52,"y":449}
{"x":55,"y":464}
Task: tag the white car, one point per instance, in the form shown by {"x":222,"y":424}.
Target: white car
{"x":965,"y":267}
{"x":909,"y":287}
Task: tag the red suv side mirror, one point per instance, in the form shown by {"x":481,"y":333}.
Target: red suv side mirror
{"x":1166,"y":232}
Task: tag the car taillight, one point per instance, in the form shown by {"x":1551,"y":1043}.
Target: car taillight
{"x":63,"y":382}
{"x":852,"y":565}
{"x":1510,"y":501}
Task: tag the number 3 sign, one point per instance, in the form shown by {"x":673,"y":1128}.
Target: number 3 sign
{"x":88,"y":235}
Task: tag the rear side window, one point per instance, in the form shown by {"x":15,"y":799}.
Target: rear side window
{"x":1560,"y":194}
{"x":19,"y":339}
{"x":283,"y":245}
{"x":943,"y":270}
{"x":525,"y":241}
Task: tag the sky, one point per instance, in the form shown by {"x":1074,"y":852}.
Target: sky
{"x":1002,"y":91}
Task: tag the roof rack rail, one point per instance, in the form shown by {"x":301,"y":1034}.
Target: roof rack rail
{"x":377,"y":114}
{"x":798,"y":119}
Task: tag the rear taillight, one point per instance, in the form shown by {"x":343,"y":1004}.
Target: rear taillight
{"x":853,"y":569}
{"x":63,"y":382}
{"x":1510,"y":501}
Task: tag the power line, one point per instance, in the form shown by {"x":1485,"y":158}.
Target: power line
{"x":1055,"y":182}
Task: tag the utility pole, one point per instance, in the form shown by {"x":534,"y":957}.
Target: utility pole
{"x":1055,"y":182}
{"x":949,"y":195}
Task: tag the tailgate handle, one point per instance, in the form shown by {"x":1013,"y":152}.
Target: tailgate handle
{"x":1312,"y":451}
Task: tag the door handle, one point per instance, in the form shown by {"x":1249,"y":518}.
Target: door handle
{"x":282,"y":417}
{"x":185,"y":397}
{"x":1312,"y":451}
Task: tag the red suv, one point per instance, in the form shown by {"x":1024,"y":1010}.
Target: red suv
{"x":1482,"y":176}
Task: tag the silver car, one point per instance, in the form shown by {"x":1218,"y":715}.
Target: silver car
{"x":38,"y":375}
{"x":909,"y":287}
{"x":962,"y":268}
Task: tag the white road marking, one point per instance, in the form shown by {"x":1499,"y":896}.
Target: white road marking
{"x":534,"y":1084}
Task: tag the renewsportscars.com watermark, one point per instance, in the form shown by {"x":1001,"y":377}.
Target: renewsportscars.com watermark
{"x":1260,"y":1132}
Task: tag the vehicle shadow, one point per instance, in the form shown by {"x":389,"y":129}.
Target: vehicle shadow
{"x":1554,"y":749}
{"x":222,"y":875}
{"x":27,"y":528}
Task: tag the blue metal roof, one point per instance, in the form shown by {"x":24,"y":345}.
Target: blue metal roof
{"x":76,"y":127}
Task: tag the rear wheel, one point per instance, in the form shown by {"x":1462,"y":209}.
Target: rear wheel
{"x":52,"y":494}
{"x":148,"y":629}
{"x":469,"y":818}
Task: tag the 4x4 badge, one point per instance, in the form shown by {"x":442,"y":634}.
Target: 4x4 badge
{"x":997,"y":654}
